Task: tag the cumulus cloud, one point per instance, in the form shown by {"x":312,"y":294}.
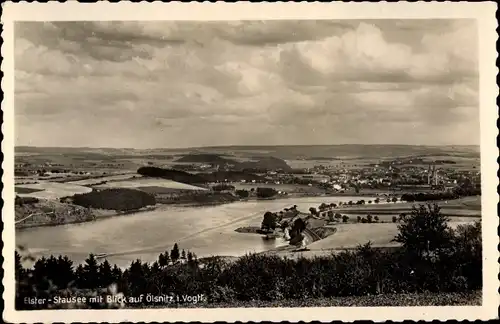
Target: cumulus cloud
{"x":169,"y":84}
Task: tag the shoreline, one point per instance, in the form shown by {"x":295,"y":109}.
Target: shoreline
{"x":351,"y":210}
{"x":99,"y":217}
{"x":156,"y":207}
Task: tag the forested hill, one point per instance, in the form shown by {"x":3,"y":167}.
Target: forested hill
{"x":259,"y":163}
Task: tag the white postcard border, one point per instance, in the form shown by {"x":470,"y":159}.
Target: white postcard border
{"x":485,"y":14}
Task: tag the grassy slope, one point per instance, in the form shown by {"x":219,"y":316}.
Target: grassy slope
{"x":469,"y":206}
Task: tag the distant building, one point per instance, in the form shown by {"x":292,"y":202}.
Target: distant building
{"x":314,"y":177}
{"x":337,"y":187}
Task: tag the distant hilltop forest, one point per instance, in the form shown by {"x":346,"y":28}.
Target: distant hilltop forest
{"x":199,"y":178}
{"x":262,"y":163}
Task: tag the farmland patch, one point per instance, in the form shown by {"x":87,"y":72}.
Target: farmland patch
{"x":148,"y":182}
{"x":93,"y":181}
{"x":53,"y":190}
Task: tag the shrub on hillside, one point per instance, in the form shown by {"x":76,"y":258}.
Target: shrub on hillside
{"x":25,"y":200}
{"x":331,"y":215}
{"x":263,"y":192}
{"x":242,"y":193}
{"x":222,"y":187}
{"x":122,"y":199}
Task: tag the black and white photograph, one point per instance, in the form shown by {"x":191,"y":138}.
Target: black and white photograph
{"x":233,"y":164}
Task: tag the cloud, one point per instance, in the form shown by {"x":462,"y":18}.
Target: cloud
{"x":165,"y":84}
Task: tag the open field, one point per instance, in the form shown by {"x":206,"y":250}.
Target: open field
{"x":24,"y":190}
{"x":148,"y":182}
{"x":468,"y":206}
{"x":52,"y":190}
{"x":93,"y":181}
{"x":351,"y":235}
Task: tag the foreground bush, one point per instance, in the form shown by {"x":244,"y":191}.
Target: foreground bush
{"x":264,"y":192}
{"x":19,"y":201}
{"x":223,"y":187}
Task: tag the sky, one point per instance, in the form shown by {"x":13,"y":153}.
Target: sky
{"x":298,"y":82}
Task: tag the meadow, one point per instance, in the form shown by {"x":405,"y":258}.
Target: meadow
{"x":99,"y":180}
{"x":148,"y":182}
{"x":51,"y":190}
{"x":467,"y":206}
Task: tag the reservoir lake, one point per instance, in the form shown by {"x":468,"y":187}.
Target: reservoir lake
{"x":206,"y":231}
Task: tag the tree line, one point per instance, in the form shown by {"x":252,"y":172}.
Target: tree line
{"x":120,"y":199}
{"x":199,"y":178}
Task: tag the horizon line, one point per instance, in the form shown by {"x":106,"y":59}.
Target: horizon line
{"x":235,"y":145}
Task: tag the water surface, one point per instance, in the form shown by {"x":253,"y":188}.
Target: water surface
{"x":205,"y":231}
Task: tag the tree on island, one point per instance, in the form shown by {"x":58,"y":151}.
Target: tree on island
{"x":269,"y":222}
{"x":298,"y":226}
{"x":313,"y":211}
